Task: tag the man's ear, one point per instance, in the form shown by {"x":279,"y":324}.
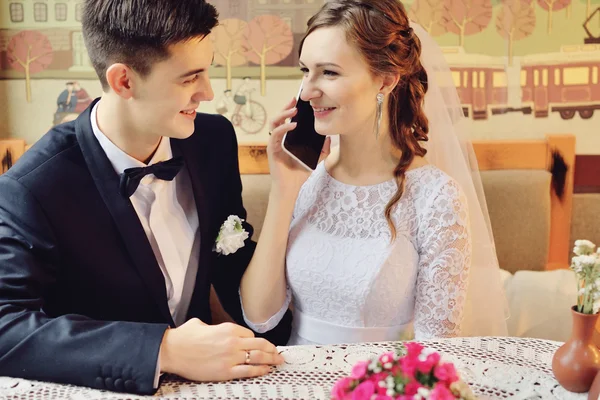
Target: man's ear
{"x":121,"y":79}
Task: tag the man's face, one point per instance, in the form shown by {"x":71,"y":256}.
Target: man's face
{"x":166,"y":100}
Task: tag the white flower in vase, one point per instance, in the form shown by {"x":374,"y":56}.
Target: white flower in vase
{"x":586,"y":265}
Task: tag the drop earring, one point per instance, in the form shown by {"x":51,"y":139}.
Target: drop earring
{"x":380,"y":97}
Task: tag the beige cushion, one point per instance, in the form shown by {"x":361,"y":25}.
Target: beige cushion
{"x":519,"y":207}
{"x":586,"y":217}
{"x":540,"y":303}
{"x":255,"y":195}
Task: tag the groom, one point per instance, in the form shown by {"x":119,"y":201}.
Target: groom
{"x":108,"y":223}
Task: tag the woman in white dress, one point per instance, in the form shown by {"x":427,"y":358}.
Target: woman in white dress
{"x":388,"y":234}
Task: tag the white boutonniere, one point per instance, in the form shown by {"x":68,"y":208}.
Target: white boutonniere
{"x":231,"y":236}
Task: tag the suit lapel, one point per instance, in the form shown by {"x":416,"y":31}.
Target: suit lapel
{"x":123,"y":213}
{"x":195,"y":158}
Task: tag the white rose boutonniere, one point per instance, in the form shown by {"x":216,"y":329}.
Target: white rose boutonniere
{"x":231,"y":236}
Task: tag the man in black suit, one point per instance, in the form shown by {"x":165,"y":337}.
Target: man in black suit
{"x":108,"y":223}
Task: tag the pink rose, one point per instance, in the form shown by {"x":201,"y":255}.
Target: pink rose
{"x":412,"y":388}
{"x":341,"y":388}
{"x":382,"y":397}
{"x":376,"y":378}
{"x":408,"y":365}
{"x":359,"y":370}
{"x":364,"y":391}
{"x":446,"y":373}
{"x":426,"y":366}
{"x":434,"y":358}
{"x":387,"y":358}
{"x":413,"y":349}
{"x":381,"y":390}
{"x":441,"y":392}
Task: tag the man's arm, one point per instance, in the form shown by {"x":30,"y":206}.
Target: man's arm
{"x":71,"y":349}
{"x":228,"y":271}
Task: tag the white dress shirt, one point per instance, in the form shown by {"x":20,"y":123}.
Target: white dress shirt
{"x":168,"y":214}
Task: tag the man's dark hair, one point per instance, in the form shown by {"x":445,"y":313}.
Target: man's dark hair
{"x":138,"y":33}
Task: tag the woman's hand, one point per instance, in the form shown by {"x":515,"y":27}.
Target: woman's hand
{"x":287,"y":174}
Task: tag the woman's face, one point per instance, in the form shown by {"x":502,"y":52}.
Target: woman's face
{"x":338,"y":84}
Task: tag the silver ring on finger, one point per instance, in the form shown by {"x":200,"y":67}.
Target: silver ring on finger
{"x":247,"y":357}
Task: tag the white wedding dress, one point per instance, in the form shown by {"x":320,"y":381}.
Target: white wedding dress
{"x":348,"y":283}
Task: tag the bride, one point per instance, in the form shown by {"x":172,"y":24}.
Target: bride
{"x":389,"y":235}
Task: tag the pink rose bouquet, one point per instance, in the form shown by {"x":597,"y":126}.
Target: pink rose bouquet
{"x":417,"y":375}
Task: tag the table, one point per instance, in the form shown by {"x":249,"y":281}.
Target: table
{"x":496,"y":368}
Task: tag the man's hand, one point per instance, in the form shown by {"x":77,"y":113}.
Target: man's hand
{"x":201,"y":352}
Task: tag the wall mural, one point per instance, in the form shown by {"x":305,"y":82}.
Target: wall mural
{"x":514,"y":62}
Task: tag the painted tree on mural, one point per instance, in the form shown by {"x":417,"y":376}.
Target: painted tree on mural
{"x":230,"y":45}
{"x":269,"y":40}
{"x":29,"y":52}
{"x":590,"y":6}
{"x":515,"y":21}
{"x":466,"y":17}
{"x":551,"y":6}
{"x":592,"y":26}
{"x":429,"y":14}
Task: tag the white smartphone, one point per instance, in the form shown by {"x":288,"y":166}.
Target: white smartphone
{"x":304,"y":143}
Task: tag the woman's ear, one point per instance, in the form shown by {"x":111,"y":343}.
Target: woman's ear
{"x":389,"y":83}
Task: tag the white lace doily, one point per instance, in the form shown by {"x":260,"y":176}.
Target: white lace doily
{"x":496,"y":368}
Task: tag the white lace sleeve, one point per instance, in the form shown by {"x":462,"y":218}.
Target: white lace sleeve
{"x":274,"y":320}
{"x":444,"y":262}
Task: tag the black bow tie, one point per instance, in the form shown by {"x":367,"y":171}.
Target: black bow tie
{"x":165,"y":170}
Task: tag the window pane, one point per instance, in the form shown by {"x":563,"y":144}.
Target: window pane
{"x":16,"y":12}
{"x":576,"y":76}
{"x":456,"y":78}
{"x":545,"y":77}
{"x":499,"y":79}
{"x":40,"y":12}
{"x":60,"y":11}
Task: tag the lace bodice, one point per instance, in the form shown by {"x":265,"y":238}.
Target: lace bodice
{"x":342,"y":268}
{"x":351,"y":283}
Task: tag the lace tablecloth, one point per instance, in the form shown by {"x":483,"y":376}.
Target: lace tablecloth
{"x":496,"y":368}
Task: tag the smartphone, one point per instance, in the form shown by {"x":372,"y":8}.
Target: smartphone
{"x":303,"y":143}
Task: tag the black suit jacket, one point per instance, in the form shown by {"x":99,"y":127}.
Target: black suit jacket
{"x":82,"y":298}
